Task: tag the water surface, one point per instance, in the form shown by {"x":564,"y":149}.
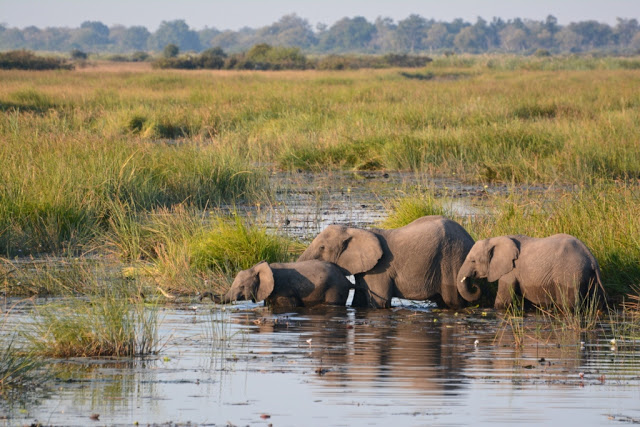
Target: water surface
{"x":410,"y":365}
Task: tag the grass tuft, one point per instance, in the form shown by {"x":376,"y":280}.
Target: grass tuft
{"x":103,"y":325}
{"x":404,"y":210}
{"x":231,"y":245}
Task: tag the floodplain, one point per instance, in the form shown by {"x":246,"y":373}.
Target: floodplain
{"x":124,"y":193}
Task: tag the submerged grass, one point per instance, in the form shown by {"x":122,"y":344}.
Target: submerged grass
{"x":20,"y":370}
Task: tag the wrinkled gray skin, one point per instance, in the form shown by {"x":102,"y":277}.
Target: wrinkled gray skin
{"x":295,"y":284}
{"x":418,"y":261}
{"x":558,"y":268}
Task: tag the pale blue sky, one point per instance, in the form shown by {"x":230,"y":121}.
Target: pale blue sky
{"x":233,"y":14}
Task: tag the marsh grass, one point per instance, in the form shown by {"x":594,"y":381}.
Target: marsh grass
{"x":105,"y":325}
{"x":513,"y":320}
{"x":581,"y":315}
{"x":403,"y":210}
{"x":90,"y":157}
{"x":20,"y":370}
{"x":231,"y":245}
{"x":47,"y":276}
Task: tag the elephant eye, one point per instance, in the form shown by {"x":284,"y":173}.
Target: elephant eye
{"x":322,"y":247}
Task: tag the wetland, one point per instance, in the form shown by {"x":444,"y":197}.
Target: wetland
{"x":124,"y":194}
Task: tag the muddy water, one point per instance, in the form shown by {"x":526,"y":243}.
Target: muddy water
{"x":410,"y":365}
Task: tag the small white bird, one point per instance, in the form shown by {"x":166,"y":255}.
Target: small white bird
{"x":613,"y":341}
{"x":476,"y":343}
{"x":309,"y":341}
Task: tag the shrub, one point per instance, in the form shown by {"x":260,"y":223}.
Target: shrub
{"x":25,"y":60}
{"x":77,"y":54}
{"x":170,"y":51}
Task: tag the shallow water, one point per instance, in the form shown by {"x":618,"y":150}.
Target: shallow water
{"x":410,"y":365}
{"x":305,"y":203}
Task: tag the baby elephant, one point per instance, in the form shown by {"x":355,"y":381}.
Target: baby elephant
{"x":295,"y":284}
{"x":556,"y":269}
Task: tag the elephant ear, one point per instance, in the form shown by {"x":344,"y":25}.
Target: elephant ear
{"x":502,"y":254}
{"x":265,"y":280}
{"x":361,"y":251}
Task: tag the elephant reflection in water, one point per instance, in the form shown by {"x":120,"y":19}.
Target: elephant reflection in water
{"x":426,"y":351}
{"x":369,"y":346}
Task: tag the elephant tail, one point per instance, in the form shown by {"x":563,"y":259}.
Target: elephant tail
{"x":463,"y":289}
{"x":598,"y":287}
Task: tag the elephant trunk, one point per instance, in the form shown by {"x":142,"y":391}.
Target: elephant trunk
{"x":463,"y":289}
{"x":218,"y":299}
{"x":224,"y":299}
{"x":464,"y":284}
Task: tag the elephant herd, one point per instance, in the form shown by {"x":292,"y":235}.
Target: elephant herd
{"x":432,"y":258}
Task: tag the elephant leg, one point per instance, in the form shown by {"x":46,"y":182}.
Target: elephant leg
{"x":361,"y":296}
{"x":450,"y":296}
{"x":336,"y":295}
{"x":280,"y":301}
{"x":506,"y":288}
{"x":380,"y":288}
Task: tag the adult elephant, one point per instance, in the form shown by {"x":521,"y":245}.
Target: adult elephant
{"x":418,"y":261}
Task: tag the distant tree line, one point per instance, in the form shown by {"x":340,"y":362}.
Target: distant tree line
{"x":266,"y":57}
{"x":414,"y":34}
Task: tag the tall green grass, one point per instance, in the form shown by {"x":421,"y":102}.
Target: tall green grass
{"x":403,"y":210}
{"x":231,"y":245}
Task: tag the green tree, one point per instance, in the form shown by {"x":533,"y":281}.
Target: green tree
{"x":349,"y":34}
{"x":438,"y":37}
{"x":514,"y":39}
{"x":206,"y":36}
{"x":472,"y":38}
{"x":92,"y":35}
{"x":175,"y":32}
{"x":290,"y":30}
{"x":592,"y":34}
{"x":568,"y":40}
{"x":384,"y":39}
{"x":624,"y":31}
{"x":134,"y":39}
{"x":412,"y":33}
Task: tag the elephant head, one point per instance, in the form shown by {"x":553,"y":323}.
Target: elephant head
{"x":490,"y":259}
{"x":255,"y":284}
{"x":353,"y":249}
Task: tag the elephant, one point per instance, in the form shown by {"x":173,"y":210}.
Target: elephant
{"x":418,"y":261}
{"x":556,"y":269}
{"x":294,"y":284}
